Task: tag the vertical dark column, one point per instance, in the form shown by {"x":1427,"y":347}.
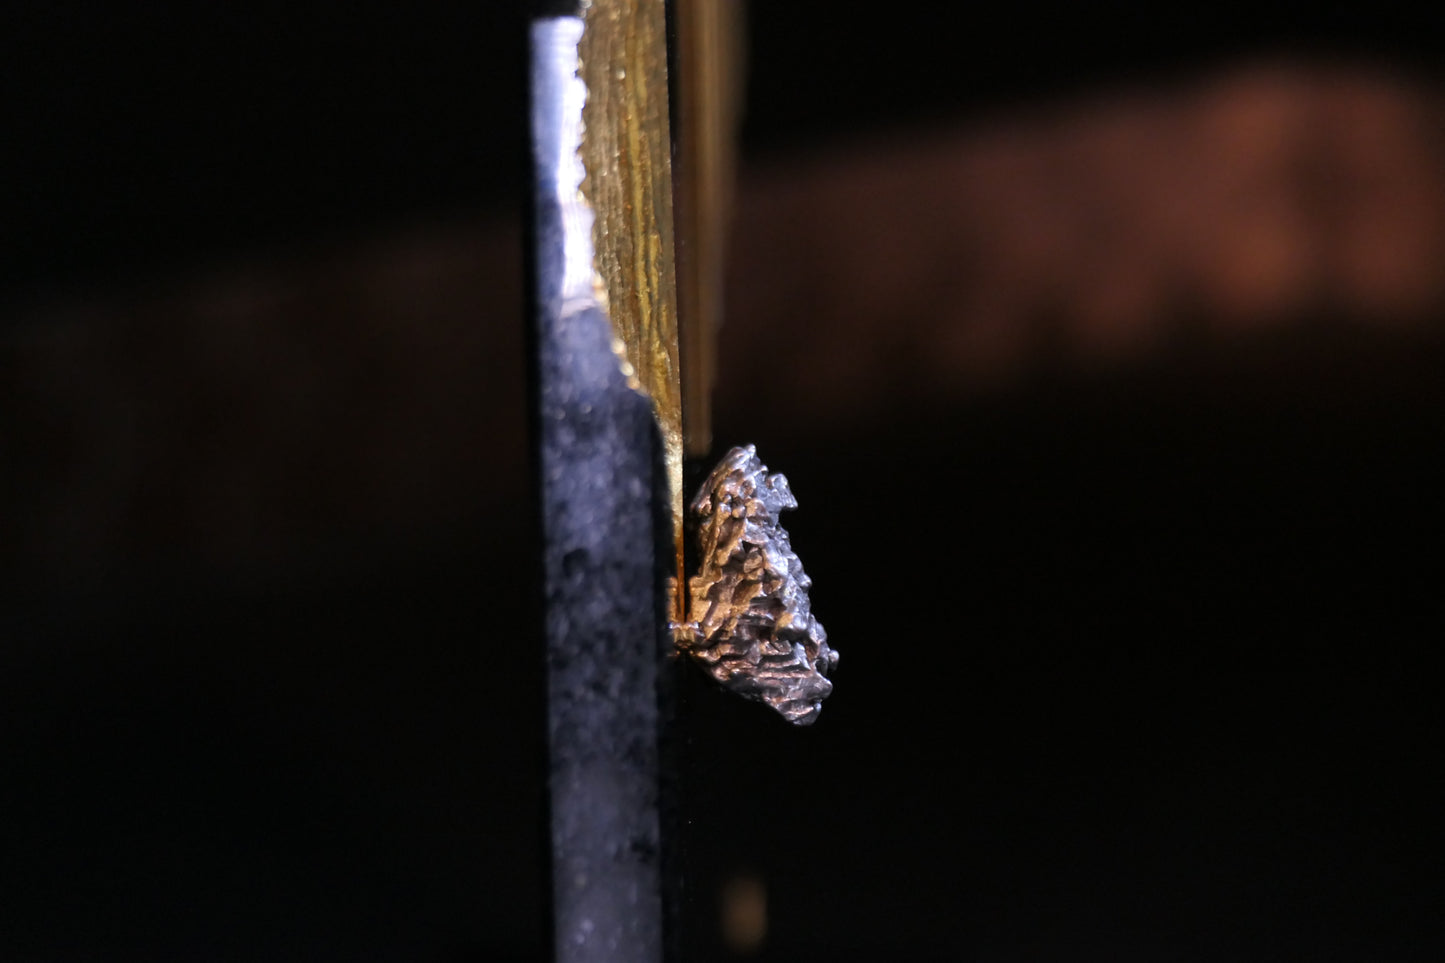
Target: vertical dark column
{"x":605,"y":532}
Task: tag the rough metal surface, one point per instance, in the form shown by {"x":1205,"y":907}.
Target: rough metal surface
{"x":754,"y":630}
{"x":600,"y":465}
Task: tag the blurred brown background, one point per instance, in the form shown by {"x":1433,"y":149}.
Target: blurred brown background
{"x":1102,"y":348}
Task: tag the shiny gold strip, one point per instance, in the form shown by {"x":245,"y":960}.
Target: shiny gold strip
{"x":626,"y":151}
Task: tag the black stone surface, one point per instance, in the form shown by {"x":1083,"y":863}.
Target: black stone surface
{"x":600,"y":466}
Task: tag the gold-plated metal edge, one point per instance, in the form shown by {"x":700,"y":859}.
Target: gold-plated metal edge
{"x":626,"y":152}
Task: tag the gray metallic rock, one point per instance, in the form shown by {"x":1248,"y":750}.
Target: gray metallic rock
{"x":754,"y":631}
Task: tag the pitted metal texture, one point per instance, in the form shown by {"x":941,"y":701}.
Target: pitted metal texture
{"x":754,"y":631}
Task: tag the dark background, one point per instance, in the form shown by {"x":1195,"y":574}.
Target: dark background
{"x":1137,"y":658}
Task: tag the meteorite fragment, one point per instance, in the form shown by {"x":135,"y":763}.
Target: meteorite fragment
{"x":754,"y":631}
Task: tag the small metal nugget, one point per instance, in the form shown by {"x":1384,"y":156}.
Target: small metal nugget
{"x":755,"y":632}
